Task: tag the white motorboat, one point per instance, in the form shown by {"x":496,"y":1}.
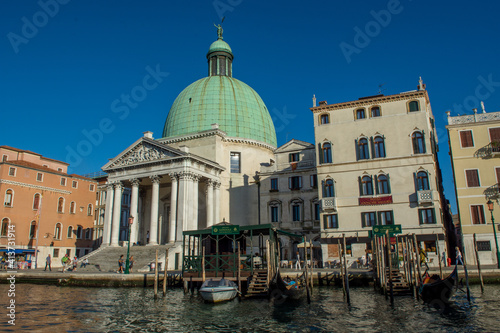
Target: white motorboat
{"x":218,"y":290}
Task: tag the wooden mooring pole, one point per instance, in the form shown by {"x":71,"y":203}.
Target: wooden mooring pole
{"x":346,"y":274}
{"x":389,"y":265}
{"x":439,"y":257}
{"x":165,"y":274}
{"x":156,"y":276}
{"x":203,"y":274}
{"x":478,"y":265}
{"x":341,"y":259}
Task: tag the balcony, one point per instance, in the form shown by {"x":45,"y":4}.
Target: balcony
{"x":491,"y":150}
{"x":328,"y":204}
{"x":492,"y":192}
{"x":424,"y":197}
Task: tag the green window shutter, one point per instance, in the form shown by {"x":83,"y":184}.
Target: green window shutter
{"x":420,"y":220}
{"x":389,"y":183}
{"x":363,"y":220}
{"x":376,"y":184}
{"x":320,"y":154}
{"x":392,"y":217}
{"x":357,"y":149}
{"x":360,"y":186}
{"x":372,"y":146}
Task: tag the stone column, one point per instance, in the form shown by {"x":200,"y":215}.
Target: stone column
{"x":210,"y":202}
{"x":155,"y":197}
{"x":108,"y":213}
{"x":216,"y":202}
{"x":183,"y":203}
{"x":173,"y":209}
{"x":194,"y":205}
{"x":134,"y":202}
{"x":117,"y":212}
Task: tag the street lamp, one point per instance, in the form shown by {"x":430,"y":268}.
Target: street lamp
{"x":127,"y":262}
{"x":490,"y":208}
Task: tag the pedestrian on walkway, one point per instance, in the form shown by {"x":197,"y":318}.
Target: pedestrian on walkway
{"x":48,"y":262}
{"x":297,"y":263}
{"x":75,"y":263}
{"x":64,"y":262}
{"x":85,"y":262}
{"x":458,"y":256}
{"x":120,"y":264}
{"x":131,"y":263}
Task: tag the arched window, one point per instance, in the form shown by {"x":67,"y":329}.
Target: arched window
{"x":9,"y":198}
{"x":70,"y":232}
{"x":418,"y":142}
{"x":328,"y":190}
{"x":275,"y":211}
{"x":60,"y":205}
{"x":36,"y":201}
{"x":79,"y":232}
{"x":327,"y":152}
{"x":87,"y":233}
{"x":57,"y":231}
{"x":72,"y":207}
{"x":383,"y":186}
{"x":413,"y":106}
{"x":378,"y":147}
{"x":324,"y":119}
{"x":375,"y":111}
{"x":363,"y":150}
{"x":5,"y":227}
{"x":366,"y":185}
{"x":360,"y":114}
{"x":89,"y":210}
{"x":422,"y":181}
{"x":33,"y":229}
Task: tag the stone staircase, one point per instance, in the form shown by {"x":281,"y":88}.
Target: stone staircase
{"x":105,"y":259}
{"x":258,"y":286}
{"x":399,"y":284}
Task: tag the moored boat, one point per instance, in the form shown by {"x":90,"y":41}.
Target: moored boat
{"x":218,"y":290}
{"x":292,"y":290}
{"x":440,"y":289}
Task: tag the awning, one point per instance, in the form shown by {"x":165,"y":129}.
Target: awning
{"x":314,"y":244}
{"x":18,"y":251}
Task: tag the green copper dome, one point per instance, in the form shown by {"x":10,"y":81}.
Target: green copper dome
{"x":222,"y":99}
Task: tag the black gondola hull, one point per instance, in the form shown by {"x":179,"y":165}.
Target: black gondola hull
{"x":440,"y":290}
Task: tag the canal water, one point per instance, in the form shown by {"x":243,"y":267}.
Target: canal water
{"x":42,"y":308}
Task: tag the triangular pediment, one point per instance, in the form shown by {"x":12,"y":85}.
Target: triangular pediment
{"x":143,"y":151}
{"x":294,"y":145}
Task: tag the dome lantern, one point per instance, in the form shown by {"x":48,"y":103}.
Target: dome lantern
{"x":220,"y":57}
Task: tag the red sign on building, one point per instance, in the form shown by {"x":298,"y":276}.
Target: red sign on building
{"x":375,"y":201}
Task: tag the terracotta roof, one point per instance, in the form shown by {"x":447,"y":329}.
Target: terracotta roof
{"x":30,"y":152}
{"x":44,"y":169}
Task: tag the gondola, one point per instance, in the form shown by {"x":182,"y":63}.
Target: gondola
{"x":293,"y":291}
{"x":440,"y":290}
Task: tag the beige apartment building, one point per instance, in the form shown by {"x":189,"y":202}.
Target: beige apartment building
{"x":475,"y":155}
{"x":377,"y":165}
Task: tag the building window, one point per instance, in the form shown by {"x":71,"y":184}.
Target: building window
{"x":375,"y":111}
{"x":413,"y":106}
{"x":330,"y":221}
{"x":89,"y":210}
{"x":328,"y":190}
{"x":33,"y":230}
{"x":70,"y":231}
{"x":472,"y":177}
{"x":296,"y":216}
{"x":317,"y":211}
{"x":382,"y":184}
{"x":295,"y":183}
{"x":293,"y":157}
{"x":417,"y":139}
{"x":235,"y":163}
{"x":274,"y":214}
{"x":79,"y":232}
{"x":60,"y":205}
{"x":5,"y":158}
{"x":74,"y":184}
{"x":422,"y":179}
{"x":9,"y":198}
{"x":55,"y":254}
{"x":57,"y":231}
{"x":366,"y":186}
{"x":427,"y":216}
{"x":12,"y":172}
{"x":466,"y":139}
{"x":477,"y":214}
{"x":386,"y":218}
{"x":60,"y":169}
{"x":5,"y":227}
{"x":314,"y":181}
{"x":363,"y":151}
{"x":495,"y":136}
{"x":379,"y":147}
{"x":327,"y":152}
{"x":91,"y":187}
{"x":87,"y":233}
{"x":63,"y":181}
{"x":483,"y":246}
{"x":368,"y":219}
{"x":72,"y":207}
{"x":360,"y":114}
{"x":324,"y":119}
{"x":274,"y":184}
{"x":39,"y":177}
{"x":36,"y":201}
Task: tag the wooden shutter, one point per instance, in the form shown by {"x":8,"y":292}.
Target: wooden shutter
{"x":497,"y":170}
{"x":474,"y":215}
{"x":320,"y":153}
{"x":494,"y":134}
{"x":472,"y":178}
{"x":466,"y":139}
{"x":376,"y":184}
{"x":360,"y":186}
{"x":357,"y":149}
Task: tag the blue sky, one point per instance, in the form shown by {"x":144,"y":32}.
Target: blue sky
{"x":65,"y":69}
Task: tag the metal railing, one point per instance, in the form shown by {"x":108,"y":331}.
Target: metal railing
{"x":492,"y":192}
{"x":492,"y":149}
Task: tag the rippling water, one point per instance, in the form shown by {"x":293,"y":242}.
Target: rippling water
{"x":59,"y":309}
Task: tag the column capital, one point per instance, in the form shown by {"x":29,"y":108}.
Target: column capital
{"x":186,"y":175}
{"x":196,"y":178}
{"x":174,"y":176}
{"x":118,"y":185}
{"x":135,"y":181}
{"x":155,"y":179}
{"x":210,"y":182}
{"x":217,"y":184}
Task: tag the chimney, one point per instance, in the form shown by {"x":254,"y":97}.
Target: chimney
{"x":148,"y":134}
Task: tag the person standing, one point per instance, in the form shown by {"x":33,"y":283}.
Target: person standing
{"x":147,"y":238}
{"x":75,"y":263}
{"x":459,"y":256}
{"x":120,"y":264}
{"x":297,"y":263}
{"x":48,"y":262}
{"x":131,"y":263}
{"x":64,"y":261}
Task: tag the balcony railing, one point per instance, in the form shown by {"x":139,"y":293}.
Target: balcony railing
{"x":492,"y":192}
{"x":424,"y":197}
{"x":329,"y":204}
{"x":490,"y":150}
